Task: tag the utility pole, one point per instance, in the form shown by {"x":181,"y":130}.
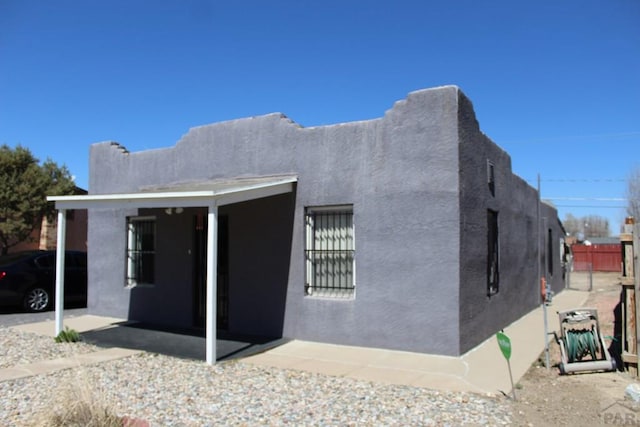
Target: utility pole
{"x":542,"y":285}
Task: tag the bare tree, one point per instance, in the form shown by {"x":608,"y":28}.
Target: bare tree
{"x":633,"y":193}
{"x":586,"y":226}
{"x":596,"y":226}
{"x":572,"y":225}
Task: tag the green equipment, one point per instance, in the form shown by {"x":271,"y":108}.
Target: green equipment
{"x":581,"y":343}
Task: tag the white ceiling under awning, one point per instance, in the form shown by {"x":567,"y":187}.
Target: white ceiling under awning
{"x":194,"y":194}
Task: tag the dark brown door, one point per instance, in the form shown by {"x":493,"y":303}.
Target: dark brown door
{"x":200,"y":272}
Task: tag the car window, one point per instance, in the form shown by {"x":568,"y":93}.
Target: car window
{"x":44,"y":261}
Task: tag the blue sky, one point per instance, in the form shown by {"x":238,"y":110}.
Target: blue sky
{"x":554,"y":83}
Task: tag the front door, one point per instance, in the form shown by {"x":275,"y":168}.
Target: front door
{"x":200,"y":272}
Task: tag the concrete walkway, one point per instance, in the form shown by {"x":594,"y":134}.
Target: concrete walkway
{"x":80,"y":324}
{"x":481,"y":370}
{"x":48,"y":366}
{"x":84,"y":323}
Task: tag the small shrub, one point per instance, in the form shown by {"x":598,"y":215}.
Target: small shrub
{"x":79,"y":404}
{"x":83,"y":414}
{"x":68,"y":335}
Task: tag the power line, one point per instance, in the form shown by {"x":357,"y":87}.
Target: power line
{"x":583,"y":180}
{"x":533,"y":182}
{"x":591,"y":206}
{"x":609,"y":136}
{"x":598,"y":199}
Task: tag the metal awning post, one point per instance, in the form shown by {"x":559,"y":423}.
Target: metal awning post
{"x":211,"y":194}
{"x":212,"y":282}
{"x":60,"y":249}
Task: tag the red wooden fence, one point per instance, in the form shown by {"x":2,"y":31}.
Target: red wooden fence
{"x":603,"y":257}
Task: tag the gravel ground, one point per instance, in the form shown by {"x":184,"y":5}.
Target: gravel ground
{"x":167,"y":391}
{"x":21,"y":348}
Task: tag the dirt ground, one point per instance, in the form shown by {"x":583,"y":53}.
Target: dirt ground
{"x":546,"y":398}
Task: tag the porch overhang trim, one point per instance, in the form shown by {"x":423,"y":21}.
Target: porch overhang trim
{"x":223,"y":193}
{"x":210,"y":195}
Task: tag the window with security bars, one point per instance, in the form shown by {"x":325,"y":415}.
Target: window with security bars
{"x":141,"y":241}
{"x":329,"y":250}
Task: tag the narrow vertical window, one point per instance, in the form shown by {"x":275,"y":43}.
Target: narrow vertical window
{"x":329,"y":252}
{"x":493,"y":253}
{"x":491,"y":178}
{"x":550,"y":245}
{"x":141,"y":242}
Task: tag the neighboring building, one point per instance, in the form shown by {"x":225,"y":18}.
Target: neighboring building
{"x":597,"y":254}
{"x":405,"y":232}
{"x":44,"y":237}
{"x":606,"y":257}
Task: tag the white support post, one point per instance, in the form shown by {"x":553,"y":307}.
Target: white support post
{"x":212,"y":282}
{"x":60,"y":249}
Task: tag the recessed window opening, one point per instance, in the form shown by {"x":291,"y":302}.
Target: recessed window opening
{"x":493,"y":253}
{"x":330,"y":252}
{"x":491,"y":178}
{"x":141,"y":251}
{"x":550,"y":244}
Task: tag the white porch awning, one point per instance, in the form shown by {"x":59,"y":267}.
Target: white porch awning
{"x":193,"y":194}
{"x":210,"y":194}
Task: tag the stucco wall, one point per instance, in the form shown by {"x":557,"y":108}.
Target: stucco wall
{"x":170,"y":300}
{"x":413,"y":177}
{"x":400,"y":174}
{"x":260,"y":235}
{"x":517,"y":205}
{"x":106,"y":293}
{"x":549,"y":220}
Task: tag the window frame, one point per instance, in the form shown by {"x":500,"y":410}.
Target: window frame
{"x":132,"y":277}
{"x":341,"y":258}
{"x":550,"y":246}
{"x":491,"y":177}
{"x":493,"y":252}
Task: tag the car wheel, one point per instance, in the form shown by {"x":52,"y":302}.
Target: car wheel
{"x":37,"y":299}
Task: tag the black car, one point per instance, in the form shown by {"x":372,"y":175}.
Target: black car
{"x":28,"y":279}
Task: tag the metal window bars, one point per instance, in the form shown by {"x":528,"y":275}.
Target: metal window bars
{"x":141,"y":252}
{"x":330,"y":253}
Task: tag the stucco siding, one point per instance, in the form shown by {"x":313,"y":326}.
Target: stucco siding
{"x":169,"y":301}
{"x":106,"y":293}
{"x":260,"y":235}
{"x":416,"y":178}
{"x":400,"y":174}
{"x":516,"y":203}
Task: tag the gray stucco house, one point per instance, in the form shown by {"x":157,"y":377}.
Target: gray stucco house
{"x":408,"y":232}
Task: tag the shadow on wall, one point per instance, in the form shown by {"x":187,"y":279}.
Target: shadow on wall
{"x":254,"y":255}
